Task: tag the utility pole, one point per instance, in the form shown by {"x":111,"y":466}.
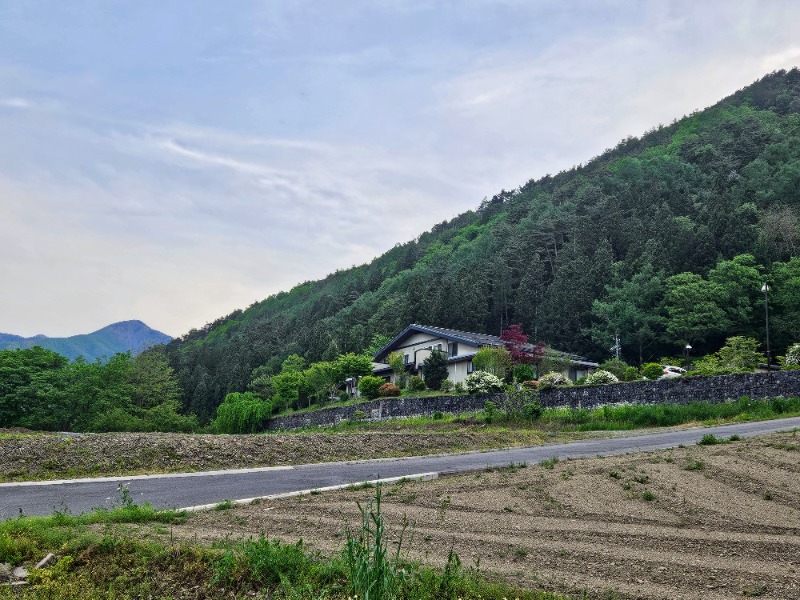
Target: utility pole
{"x":765,"y":289}
{"x":616,"y":348}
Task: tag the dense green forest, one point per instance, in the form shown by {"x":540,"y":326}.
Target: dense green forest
{"x":664,"y":239}
{"x":41,"y":389}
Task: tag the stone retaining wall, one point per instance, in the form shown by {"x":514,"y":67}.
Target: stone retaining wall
{"x":681,"y":390}
{"x":384,"y":408}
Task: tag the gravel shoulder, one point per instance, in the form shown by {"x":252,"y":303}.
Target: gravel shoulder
{"x":701,"y":522}
{"x":32,"y":456}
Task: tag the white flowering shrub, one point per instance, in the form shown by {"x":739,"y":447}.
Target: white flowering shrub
{"x":792,"y":358}
{"x":553,"y":379}
{"x":481,"y":382}
{"x":601,"y":377}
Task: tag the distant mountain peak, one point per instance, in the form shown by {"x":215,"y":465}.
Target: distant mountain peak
{"x":132,"y":336}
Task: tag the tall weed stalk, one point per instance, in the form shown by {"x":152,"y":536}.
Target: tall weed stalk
{"x":374,"y":573}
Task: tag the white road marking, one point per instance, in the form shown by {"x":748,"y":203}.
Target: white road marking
{"x":139,"y":477}
{"x":330,"y":488}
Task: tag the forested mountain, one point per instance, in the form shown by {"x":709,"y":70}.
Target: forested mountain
{"x":665,"y":239}
{"x":125,"y":336}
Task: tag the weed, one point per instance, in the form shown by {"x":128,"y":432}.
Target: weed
{"x":695,"y":465}
{"x":643,"y":479}
{"x":372,"y":571}
{"x":614,"y":475}
{"x":648,"y":496}
{"x":520,"y":552}
{"x":224,"y":505}
{"x":549,"y":463}
{"x":734,"y":438}
{"x":767,"y":495}
{"x":710,"y":439}
{"x":443,"y":506}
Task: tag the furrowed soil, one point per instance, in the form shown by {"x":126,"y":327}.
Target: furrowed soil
{"x":701,"y":522}
{"x":28,"y":456}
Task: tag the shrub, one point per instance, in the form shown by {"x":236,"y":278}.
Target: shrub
{"x":531,"y":384}
{"x":532,"y":411}
{"x":515,"y":400}
{"x":631,"y":374}
{"x":241,"y":413}
{"x":792,"y":358}
{"x":615,"y":366}
{"x":459,"y":388}
{"x":524,"y":372}
{"x":489,"y":411}
{"x":446,"y":386}
{"x":601,"y":377}
{"x":438,"y":415}
{"x":481,"y":382}
{"x":388,"y":390}
{"x":435,"y":369}
{"x":416,"y":384}
{"x":739,"y":355}
{"x":652,"y":371}
{"x":554,"y":379}
{"x":370,"y":386}
{"x":496,"y":361}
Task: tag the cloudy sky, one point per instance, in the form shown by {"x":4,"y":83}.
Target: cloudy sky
{"x":172,"y":161}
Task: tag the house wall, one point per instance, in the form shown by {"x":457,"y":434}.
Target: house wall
{"x":417,"y":343}
{"x":458,"y":371}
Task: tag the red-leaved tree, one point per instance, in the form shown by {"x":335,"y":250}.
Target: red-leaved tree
{"x":517,"y":344}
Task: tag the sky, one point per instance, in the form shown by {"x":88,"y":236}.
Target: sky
{"x":172,"y":161}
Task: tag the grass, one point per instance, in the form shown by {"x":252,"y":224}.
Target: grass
{"x":606,"y":418}
{"x":549,"y":463}
{"x":667,"y":415}
{"x":111,"y":562}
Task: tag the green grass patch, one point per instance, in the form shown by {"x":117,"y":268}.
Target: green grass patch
{"x":631,"y":416}
{"x":111,"y":562}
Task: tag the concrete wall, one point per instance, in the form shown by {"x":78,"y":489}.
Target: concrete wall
{"x":681,"y":390}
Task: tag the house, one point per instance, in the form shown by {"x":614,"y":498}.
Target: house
{"x":417,"y":342}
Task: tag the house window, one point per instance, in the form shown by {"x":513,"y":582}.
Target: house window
{"x":452,"y":348}
{"x":470,"y":367}
{"x":405,"y":359}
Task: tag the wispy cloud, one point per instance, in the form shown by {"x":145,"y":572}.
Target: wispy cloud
{"x":189,"y":175}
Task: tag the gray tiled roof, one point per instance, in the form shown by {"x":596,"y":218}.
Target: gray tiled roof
{"x":467,"y":337}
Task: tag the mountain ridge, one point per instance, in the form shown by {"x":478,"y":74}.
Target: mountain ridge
{"x":683,"y":198}
{"x":124,"y":336}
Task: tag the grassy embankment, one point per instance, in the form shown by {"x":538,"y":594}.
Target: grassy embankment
{"x":100,"y":557}
{"x":606,"y":418}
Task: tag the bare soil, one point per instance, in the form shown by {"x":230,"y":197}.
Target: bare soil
{"x":27,"y":456}
{"x":701,"y":522}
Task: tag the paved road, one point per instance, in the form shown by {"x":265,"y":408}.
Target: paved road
{"x":192,"y":489}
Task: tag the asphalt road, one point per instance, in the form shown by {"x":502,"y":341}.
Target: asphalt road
{"x":193,"y":489}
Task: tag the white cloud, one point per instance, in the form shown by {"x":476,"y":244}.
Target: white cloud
{"x":145,"y":200}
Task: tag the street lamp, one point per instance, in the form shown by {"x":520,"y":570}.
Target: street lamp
{"x":765,"y":289}
{"x":687,"y":348}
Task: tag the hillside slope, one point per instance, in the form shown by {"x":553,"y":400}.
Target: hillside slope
{"x":125,"y":336}
{"x":719,"y":183}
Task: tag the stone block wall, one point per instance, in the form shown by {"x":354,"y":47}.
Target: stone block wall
{"x":384,"y":408}
{"x":681,"y":390}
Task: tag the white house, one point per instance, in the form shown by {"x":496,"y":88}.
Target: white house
{"x":416,"y":342}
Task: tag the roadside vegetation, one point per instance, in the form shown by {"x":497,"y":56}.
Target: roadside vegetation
{"x":516,"y":421}
{"x":98,"y":555}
